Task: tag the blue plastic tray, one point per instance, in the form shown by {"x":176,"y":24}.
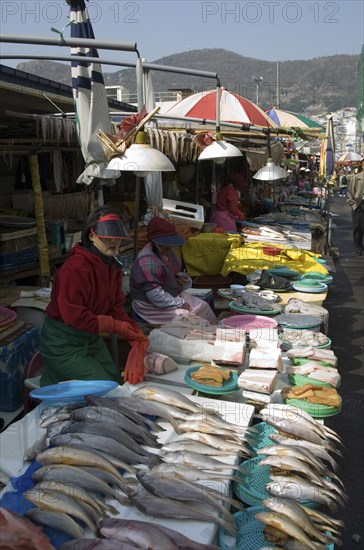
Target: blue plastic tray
{"x":73,"y":392}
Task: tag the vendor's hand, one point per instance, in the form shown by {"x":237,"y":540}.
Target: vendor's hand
{"x":108,"y":324}
{"x":128,"y":331}
{"x":134,"y":375}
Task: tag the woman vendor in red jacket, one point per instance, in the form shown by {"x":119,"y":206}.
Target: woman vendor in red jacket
{"x":227,"y":209}
{"x":87,"y":301}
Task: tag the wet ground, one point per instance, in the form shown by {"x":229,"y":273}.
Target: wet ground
{"x":345,"y":304}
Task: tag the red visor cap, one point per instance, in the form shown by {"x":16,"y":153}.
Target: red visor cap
{"x":110,"y":226}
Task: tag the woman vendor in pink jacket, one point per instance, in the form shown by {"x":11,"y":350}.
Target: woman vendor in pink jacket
{"x":86,"y":302}
{"x":227,"y":209}
{"x":157,"y":285}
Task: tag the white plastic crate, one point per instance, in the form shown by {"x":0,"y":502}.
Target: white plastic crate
{"x":185,"y":212}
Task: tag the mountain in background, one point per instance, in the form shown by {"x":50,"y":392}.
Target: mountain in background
{"x":311,"y":86}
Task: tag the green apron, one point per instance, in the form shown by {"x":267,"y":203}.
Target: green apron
{"x":71,"y":354}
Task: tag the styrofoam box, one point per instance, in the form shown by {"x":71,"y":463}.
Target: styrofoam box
{"x":185,"y":213}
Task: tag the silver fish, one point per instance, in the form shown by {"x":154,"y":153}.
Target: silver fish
{"x":106,"y":430}
{"x":73,"y":491}
{"x":56,"y":520}
{"x":165,"y":507}
{"x":317,"y":450}
{"x":193,"y":446}
{"x":105,"y":444}
{"x":161,"y":410}
{"x":79,"y":457}
{"x":56,"y":502}
{"x":292,"y":465}
{"x":287,"y":526}
{"x":298,"y":488}
{"x":206,"y":427}
{"x":298,"y":515}
{"x":102,"y":414}
{"x":195,"y":460}
{"x":219,"y":443}
{"x":169,"y":397}
{"x":298,"y":430}
{"x":166,"y":486}
{"x":119,"y":405}
{"x":40,"y":445}
{"x":78,"y":477}
{"x":143,"y":534}
{"x":191,"y":474}
{"x":181,"y":542}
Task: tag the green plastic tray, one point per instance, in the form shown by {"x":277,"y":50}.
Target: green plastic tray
{"x":301,"y":380}
{"x":316,"y":410}
{"x":250,"y":488}
{"x":261,"y":436}
{"x":235,"y":306}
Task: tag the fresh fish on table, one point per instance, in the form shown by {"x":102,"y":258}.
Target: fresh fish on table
{"x":102,"y":414}
{"x":191,"y":474}
{"x":152,"y":408}
{"x":40,"y":445}
{"x":298,"y":515}
{"x":49,"y":500}
{"x":169,"y":397}
{"x":194,"y":460}
{"x":219,"y":443}
{"x":79,"y":477}
{"x":193,"y":446}
{"x":181,"y":542}
{"x":162,"y":485}
{"x":317,"y":450}
{"x":117,"y":404}
{"x":297,"y":415}
{"x":56,"y":520}
{"x":298,"y":430}
{"x":105,"y":444}
{"x":106,"y":430}
{"x":76,"y":493}
{"x":292,"y":465}
{"x":322,"y":520}
{"x":206,"y":427}
{"x":297,"y":488}
{"x":185,"y":543}
{"x":142,"y":534}
{"x":286,"y":525}
{"x":165,"y":507}
{"x":57,"y":427}
{"x":50,"y":415}
{"x":78,"y":457}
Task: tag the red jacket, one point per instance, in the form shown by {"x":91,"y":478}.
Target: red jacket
{"x":85,"y":287}
{"x":227,"y":199}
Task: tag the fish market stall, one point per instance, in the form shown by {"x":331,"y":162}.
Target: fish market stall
{"x":200,"y":523}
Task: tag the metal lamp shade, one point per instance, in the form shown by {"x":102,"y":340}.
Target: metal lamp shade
{"x":270,"y":172}
{"x":219,"y":150}
{"x":141,"y":159}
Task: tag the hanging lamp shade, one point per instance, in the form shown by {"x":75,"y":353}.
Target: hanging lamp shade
{"x":219,"y":150}
{"x":141,"y":158}
{"x":270,"y":172}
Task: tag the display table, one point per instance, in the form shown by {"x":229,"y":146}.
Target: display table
{"x":21,"y":435}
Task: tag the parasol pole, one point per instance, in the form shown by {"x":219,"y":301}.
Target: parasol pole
{"x":39,"y":216}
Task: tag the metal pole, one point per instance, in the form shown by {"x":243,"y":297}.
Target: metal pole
{"x":102,"y":61}
{"x":69,"y":42}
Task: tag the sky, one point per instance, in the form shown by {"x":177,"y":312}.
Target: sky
{"x":269,"y":30}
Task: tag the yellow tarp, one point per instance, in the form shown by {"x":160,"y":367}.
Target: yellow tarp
{"x":205,"y":254}
{"x":250,"y":256}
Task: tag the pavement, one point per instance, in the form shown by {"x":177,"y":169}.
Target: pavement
{"x":345,"y":303}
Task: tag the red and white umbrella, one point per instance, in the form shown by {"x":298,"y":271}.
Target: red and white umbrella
{"x":233,"y":108}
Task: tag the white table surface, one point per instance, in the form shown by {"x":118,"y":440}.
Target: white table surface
{"x":21,"y":435}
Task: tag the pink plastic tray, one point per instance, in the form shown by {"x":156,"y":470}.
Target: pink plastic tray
{"x":248,"y":322}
